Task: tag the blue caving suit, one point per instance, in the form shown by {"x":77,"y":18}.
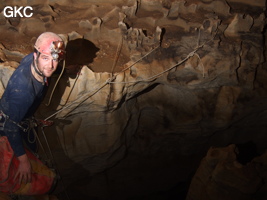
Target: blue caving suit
{"x":20,"y":100}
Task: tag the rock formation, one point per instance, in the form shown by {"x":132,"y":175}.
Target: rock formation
{"x":222,"y":176}
{"x":149,"y":86}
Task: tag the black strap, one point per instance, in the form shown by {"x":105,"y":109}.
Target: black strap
{"x":36,"y":70}
{"x":5,"y":117}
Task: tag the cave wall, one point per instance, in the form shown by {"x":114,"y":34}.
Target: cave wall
{"x":163,"y":78}
{"x":231,"y":172}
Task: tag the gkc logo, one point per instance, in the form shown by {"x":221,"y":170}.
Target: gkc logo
{"x":21,"y":11}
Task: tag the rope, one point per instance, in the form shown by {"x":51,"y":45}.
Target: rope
{"x":95,"y":91}
{"x":159,"y":74}
{"x":110,"y":80}
{"x":56,"y":84}
{"x":98,"y":89}
{"x":117,"y":55}
{"x":41,"y":145}
{"x":191,"y":54}
{"x":78,"y":74}
{"x":140,"y":59}
{"x":48,"y":146}
{"x":31,"y":124}
{"x":54,"y":162}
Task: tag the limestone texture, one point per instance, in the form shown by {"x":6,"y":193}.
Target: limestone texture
{"x":149,"y":86}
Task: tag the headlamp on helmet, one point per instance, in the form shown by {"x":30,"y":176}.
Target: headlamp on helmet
{"x":57,"y":50}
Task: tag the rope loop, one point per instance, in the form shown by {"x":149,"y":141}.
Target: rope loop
{"x":111,"y":79}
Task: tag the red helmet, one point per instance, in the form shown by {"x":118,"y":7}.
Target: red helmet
{"x":49,"y":43}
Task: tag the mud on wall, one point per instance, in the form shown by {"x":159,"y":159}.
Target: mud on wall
{"x":149,"y":77}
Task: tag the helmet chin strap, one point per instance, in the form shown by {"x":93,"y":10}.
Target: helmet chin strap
{"x":37,"y":70}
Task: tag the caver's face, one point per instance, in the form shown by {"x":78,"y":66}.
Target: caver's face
{"x":45,"y":64}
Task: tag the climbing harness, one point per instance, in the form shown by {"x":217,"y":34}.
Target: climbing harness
{"x":110,"y":80}
{"x":4,"y":118}
{"x":42,"y":177}
{"x":29,"y":125}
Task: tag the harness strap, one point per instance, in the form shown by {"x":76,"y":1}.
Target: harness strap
{"x":4,"y":117}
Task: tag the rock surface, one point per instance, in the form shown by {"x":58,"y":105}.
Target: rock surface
{"x":221,"y":176}
{"x":149,"y":86}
